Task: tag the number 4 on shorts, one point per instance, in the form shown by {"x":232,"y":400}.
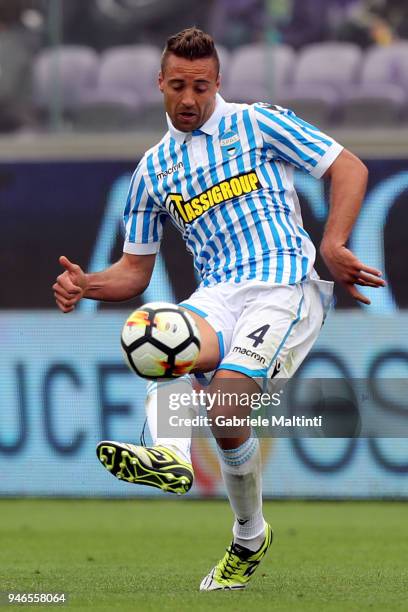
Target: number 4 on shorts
{"x":258,"y":335}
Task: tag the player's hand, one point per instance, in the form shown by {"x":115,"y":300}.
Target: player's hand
{"x":70,"y":286}
{"x":349,"y":271}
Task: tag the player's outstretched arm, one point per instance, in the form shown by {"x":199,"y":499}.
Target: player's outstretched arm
{"x":123,"y":280}
{"x":348,"y":177}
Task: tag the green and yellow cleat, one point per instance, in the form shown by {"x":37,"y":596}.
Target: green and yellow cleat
{"x":235,"y":569}
{"x":155,"y":466}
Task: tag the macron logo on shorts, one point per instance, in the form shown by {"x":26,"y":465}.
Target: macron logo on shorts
{"x":244,"y":351}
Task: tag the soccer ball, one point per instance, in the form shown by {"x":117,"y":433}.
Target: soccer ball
{"x":160,"y":340}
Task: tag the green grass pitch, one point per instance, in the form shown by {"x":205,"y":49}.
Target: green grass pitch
{"x":151,"y":555}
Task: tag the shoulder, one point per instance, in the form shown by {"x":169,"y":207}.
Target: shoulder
{"x":266,"y":109}
{"x":236,"y":108}
{"x":259,"y":111}
{"x":277,"y":118}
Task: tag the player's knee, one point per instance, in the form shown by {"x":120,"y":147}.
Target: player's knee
{"x":209,"y":356}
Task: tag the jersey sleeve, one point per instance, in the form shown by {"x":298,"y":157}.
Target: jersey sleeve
{"x":142,"y":217}
{"x":295,"y":141}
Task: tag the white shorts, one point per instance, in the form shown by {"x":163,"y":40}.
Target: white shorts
{"x":264,"y":331}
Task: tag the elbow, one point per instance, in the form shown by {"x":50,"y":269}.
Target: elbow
{"x":132,"y":290}
{"x":363,"y":170}
{"x":135,"y":290}
{"x":142,"y":288}
{"x":141,"y":285}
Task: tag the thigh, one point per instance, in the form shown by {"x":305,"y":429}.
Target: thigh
{"x":215,"y":323}
{"x":210,"y":355}
{"x":275,"y":331}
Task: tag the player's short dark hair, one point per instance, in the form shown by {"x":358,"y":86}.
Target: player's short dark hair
{"x":191,"y":44}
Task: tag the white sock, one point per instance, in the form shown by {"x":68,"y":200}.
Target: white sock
{"x":158,"y":391}
{"x":242,"y":473}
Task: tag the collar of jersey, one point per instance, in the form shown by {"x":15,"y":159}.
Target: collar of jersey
{"x":209,"y":127}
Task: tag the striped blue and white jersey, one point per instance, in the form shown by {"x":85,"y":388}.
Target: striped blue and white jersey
{"x":229,"y":189}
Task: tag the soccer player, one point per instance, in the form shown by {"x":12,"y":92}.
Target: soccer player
{"x":223,"y":173}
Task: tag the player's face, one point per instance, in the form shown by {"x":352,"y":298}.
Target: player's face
{"x":189,"y":88}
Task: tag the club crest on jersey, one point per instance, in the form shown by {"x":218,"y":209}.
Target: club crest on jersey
{"x":230,"y":144}
{"x":187,"y":211}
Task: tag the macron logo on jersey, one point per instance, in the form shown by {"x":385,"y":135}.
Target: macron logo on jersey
{"x":164,"y":173}
{"x":189,"y":210}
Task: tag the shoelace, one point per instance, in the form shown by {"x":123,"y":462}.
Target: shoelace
{"x":230,"y":563}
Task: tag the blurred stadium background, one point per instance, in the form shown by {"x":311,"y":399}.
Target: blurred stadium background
{"x":78,"y":108}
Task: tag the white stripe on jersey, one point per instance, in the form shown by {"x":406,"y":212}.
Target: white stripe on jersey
{"x":228,"y":187}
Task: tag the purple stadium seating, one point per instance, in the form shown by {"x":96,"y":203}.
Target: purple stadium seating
{"x":313,"y":103}
{"x":332,"y":63}
{"x":321,"y":73}
{"x":386,"y":65}
{"x":68,"y":71}
{"x":127,"y":82}
{"x":381,"y":96}
{"x":257,"y":72}
{"x":225,"y":58}
{"x":325,"y":83}
{"x":131,"y":69}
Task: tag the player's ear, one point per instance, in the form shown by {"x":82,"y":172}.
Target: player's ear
{"x":160,"y":81}
{"x":218,"y":81}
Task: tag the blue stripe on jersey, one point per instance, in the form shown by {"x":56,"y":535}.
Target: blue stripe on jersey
{"x":306,"y":128}
{"x":191,"y":244}
{"x":187,"y":170}
{"x":220,"y":235}
{"x":288,"y":238}
{"x":275,"y":234}
{"x":291,"y":250}
{"x":211,"y":159}
{"x":291,"y":160}
{"x":128,"y":205}
{"x":175,"y":176}
{"x":286,"y":209}
{"x":280,"y":154}
{"x":292,"y":232}
{"x":280,"y":121}
{"x":251,"y":204}
{"x":152,"y":174}
{"x":160,"y":218}
{"x":311,"y":129}
{"x":302,"y":231}
{"x":162,"y":162}
{"x":193,"y":231}
{"x":202,"y":222}
{"x":225,"y":251}
{"x":305,"y":265}
{"x":146,"y":214}
{"x":242,"y":222}
{"x":224,"y":213}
